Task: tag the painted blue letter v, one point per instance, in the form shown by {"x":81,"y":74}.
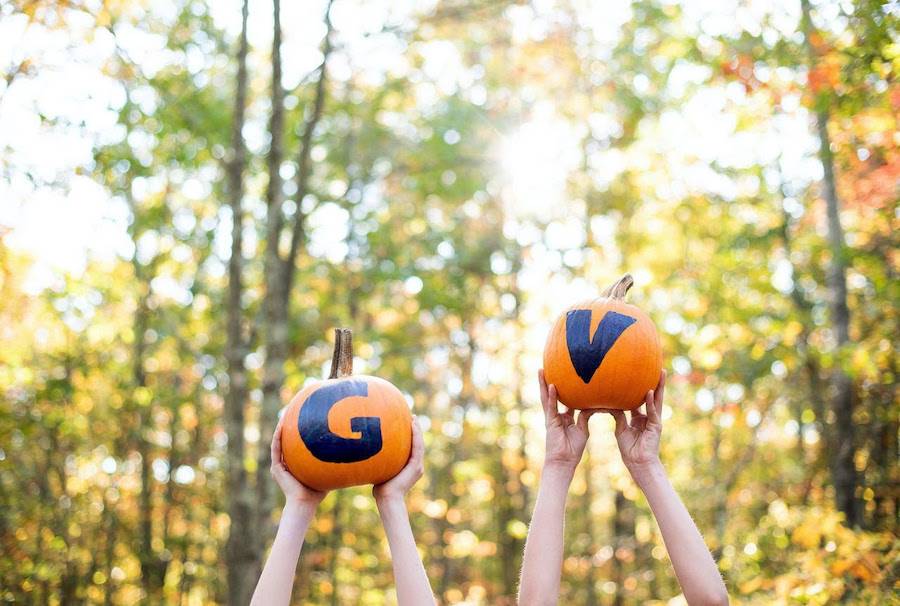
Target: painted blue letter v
{"x":587,"y":353}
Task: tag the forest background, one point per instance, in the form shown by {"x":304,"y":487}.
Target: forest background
{"x":194,"y":193}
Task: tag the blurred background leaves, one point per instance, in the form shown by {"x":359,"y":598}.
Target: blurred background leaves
{"x":475,"y":168}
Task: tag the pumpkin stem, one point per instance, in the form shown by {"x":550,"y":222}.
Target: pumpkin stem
{"x":618,"y":290}
{"x":342,"y":360}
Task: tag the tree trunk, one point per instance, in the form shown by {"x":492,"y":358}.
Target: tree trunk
{"x":810,"y":363}
{"x":153,"y":568}
{"x":274,"y":332}
{"x":843,"y":469}
{"x":456,"y":452}
{"x":335,"y":552}
{"x":279,"y":270}
{"x":241,"y":560}
{"x":623,"y":533}
{"x":591,"y":548}
{"x":504,"y":514}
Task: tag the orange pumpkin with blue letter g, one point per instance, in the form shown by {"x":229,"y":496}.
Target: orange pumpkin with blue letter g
{"x":346,"y":430}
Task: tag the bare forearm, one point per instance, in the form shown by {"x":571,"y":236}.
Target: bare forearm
{"x":694,"y":566}
{"x":542,"y":563}
{"x":413,"y":588}
{"x":277,"y":579}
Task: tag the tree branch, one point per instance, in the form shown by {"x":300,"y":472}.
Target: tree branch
{"x":303,"y":163}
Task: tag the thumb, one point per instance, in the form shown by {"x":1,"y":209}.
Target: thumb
{"x":583,"y":417}
{"x":417,"y":449}
{"x":619,"y":416}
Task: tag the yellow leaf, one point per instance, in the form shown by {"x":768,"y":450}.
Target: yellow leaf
{"x":751,"y":585}
{"x":807,"y":535}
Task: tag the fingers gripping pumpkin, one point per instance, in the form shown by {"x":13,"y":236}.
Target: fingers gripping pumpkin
{"x":346,"y":430}
{"x":603,"y":353}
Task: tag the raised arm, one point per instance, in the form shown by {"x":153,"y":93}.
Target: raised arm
{"x":413,"y":588}
{"x":638,"y":441}
{"x":277,"y":578}
{"x":542,"y":563}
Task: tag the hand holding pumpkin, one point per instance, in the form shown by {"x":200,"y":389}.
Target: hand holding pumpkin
{"x":345,"y":431}
{"x":399,"y":485}
{"x":638,"y":441}
{"x":293,"y":490}
{"x":638,"y":438}
{"x":566,"y":436}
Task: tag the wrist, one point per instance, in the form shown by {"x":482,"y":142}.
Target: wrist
{"x":391,"y":509}
{"x":295,"y":520}
{"x":558,"y":471}
{"x":647,"y":472}
{"x":299,"y":508}
{"x":383,"y":500}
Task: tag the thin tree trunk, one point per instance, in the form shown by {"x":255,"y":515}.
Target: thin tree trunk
{"x":811,"y":365}
{"x":279,"y":272}
{"x":588,"y":500}
{"x":623,"y":531}
{"x":109,"y":588}
{"x":843,"y":469}
{"x":457,"y":452}
{"x":60,"y":517}
{"x":109,"y":562}
{"x":274,"y":330}
{"x":153,"y":568}
{"x":503,"y":509}
{"x":187,"y":578}
{"x":522,"y":497}
{"x":241,"y":560}
{"x":883,"y":444}
{"x":335,"y":549}
{"x":304,"y":168}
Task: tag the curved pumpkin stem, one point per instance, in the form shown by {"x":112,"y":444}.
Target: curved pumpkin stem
{"x":342,"y":360}
{"x":618,"y":290}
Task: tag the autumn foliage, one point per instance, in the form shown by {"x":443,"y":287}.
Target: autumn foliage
{"x":447,"y":179}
